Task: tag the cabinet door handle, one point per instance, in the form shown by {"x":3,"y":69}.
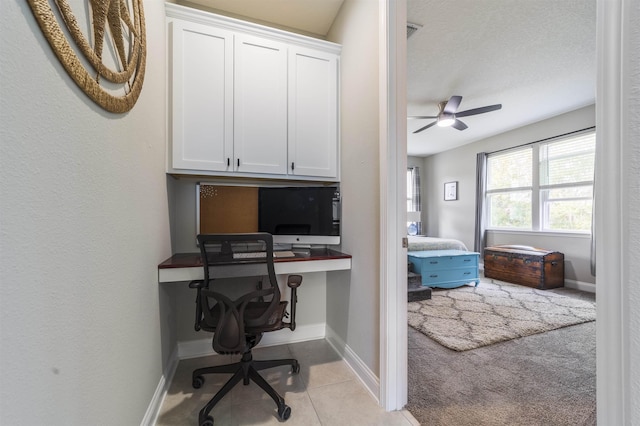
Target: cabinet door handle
{"x":228,"y":162}
{"x":293,"y":165}
{"x":238,"y":162}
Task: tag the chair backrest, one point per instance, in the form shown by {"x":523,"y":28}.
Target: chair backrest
{"x":240,"y":289}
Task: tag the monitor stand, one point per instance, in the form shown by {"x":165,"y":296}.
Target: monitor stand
{"x":302,"y":249}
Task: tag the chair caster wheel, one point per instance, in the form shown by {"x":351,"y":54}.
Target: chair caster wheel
{"x":207,"y":422}
{"x":295,"y":368}
{"x":197,"y":384}
{"x":284,"y":412}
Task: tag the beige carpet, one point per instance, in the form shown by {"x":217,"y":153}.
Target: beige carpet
{"x":470,"y":317}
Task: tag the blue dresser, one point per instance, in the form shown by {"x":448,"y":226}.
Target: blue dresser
{"x":445,"y":268}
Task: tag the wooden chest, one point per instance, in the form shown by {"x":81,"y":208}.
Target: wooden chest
{"x":524,"y":265}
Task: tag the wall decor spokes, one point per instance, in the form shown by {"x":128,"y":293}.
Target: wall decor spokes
{"x":114,"y":86}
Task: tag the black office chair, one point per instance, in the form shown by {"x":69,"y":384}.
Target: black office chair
{"x":239,"y":300}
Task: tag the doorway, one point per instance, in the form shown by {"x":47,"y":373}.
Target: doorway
{"x":612,"y":389}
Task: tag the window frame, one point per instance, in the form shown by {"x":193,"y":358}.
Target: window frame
{"x":540,"y":202}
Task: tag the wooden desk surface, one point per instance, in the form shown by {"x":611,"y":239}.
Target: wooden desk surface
{"x":188,"y":266}
{"x":191,"y":260}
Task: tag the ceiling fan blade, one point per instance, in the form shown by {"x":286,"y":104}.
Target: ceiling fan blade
{"x":459,"y":125}
{"x":420,"y":117}
{"x":452,"y":105}
{"x":425,"y":127}
{"x":481,"y":110}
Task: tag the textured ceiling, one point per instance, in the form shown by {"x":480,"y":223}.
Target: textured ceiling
{"x":535,"y":57}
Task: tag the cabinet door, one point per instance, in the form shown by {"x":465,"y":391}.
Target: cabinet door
{"x":313,"y":113}
{"x":202,"y":97}
{"x":260,"y":105}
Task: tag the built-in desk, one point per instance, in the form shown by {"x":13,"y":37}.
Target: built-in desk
{"x":188,"y":266}
{"x":311,"y":319}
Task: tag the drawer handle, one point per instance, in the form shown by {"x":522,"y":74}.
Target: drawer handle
{"x":467,"y":273}
{"x":434,"y":262}
{"x":433,"y":276}
{"x":467,"y":260}
{"x":527,"y":261}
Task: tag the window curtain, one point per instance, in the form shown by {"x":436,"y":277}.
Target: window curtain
{"x":481,"y":184}
{"x":416,"y":204}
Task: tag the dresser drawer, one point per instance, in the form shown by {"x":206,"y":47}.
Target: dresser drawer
{"x":444,"y":276}
{"x":445,"y":262}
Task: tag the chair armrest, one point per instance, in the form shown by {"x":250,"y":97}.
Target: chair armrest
{"x":294,"y":281}
{"x":196,"y":284}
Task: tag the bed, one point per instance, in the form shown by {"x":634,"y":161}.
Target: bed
{"x":420,"y":243}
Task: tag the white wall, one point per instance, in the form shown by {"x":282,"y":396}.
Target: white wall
{"x":455,"y":219}
{"x":353,"y":296}
{"x":84,"y":224}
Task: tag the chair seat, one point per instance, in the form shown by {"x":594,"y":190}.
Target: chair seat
{"x":253,"y":310}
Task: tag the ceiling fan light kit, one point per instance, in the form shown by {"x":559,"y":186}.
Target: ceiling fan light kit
{"x":448,"y":115}
{"x":446,"y":120}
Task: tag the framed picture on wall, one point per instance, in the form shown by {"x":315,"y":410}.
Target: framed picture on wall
{"x":450,"y":191}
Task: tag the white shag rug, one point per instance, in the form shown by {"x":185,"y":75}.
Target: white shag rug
{"x":470,"y":317}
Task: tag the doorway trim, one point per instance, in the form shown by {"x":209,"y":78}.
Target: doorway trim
{"x":613,"y":405}
{"x":393,"y":166}
{"x":611,"y":217}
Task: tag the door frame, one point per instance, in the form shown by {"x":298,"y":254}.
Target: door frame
{"x":393,"y":216}
{"x":611,"y":220}
{"x":613,"y":80}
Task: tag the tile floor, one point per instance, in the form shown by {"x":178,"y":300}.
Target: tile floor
{"x":325,"y":392}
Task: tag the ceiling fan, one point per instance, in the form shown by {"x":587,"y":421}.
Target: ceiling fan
{"x":448,"y":115}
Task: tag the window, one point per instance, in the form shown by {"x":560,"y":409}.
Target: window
{"x":410,"y":189}
{"x":414,"y":225}
{"x":546,"y":186}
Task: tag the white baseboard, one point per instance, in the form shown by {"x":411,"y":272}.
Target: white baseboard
{"x":151,"y":416}
{"x":368,"y":379}
{"x":202,"y":347}
{"x":580,"y":285}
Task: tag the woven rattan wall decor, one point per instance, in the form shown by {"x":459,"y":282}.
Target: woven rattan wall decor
{"x":115,"y":90}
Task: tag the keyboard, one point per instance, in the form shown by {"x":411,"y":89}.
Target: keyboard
{"x":262,"y":254}
{"x":284,"y":253}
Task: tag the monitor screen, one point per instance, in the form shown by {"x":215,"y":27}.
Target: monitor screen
{"x":300,"y":215}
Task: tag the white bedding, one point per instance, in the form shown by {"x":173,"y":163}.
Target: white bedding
{"x":417,"y":243}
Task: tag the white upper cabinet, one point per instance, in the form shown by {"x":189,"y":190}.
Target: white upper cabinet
{"x":250,"y":101}
{"x":313,"y":113}
{"x":201,"y":96}
{"x":260,"y":105}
